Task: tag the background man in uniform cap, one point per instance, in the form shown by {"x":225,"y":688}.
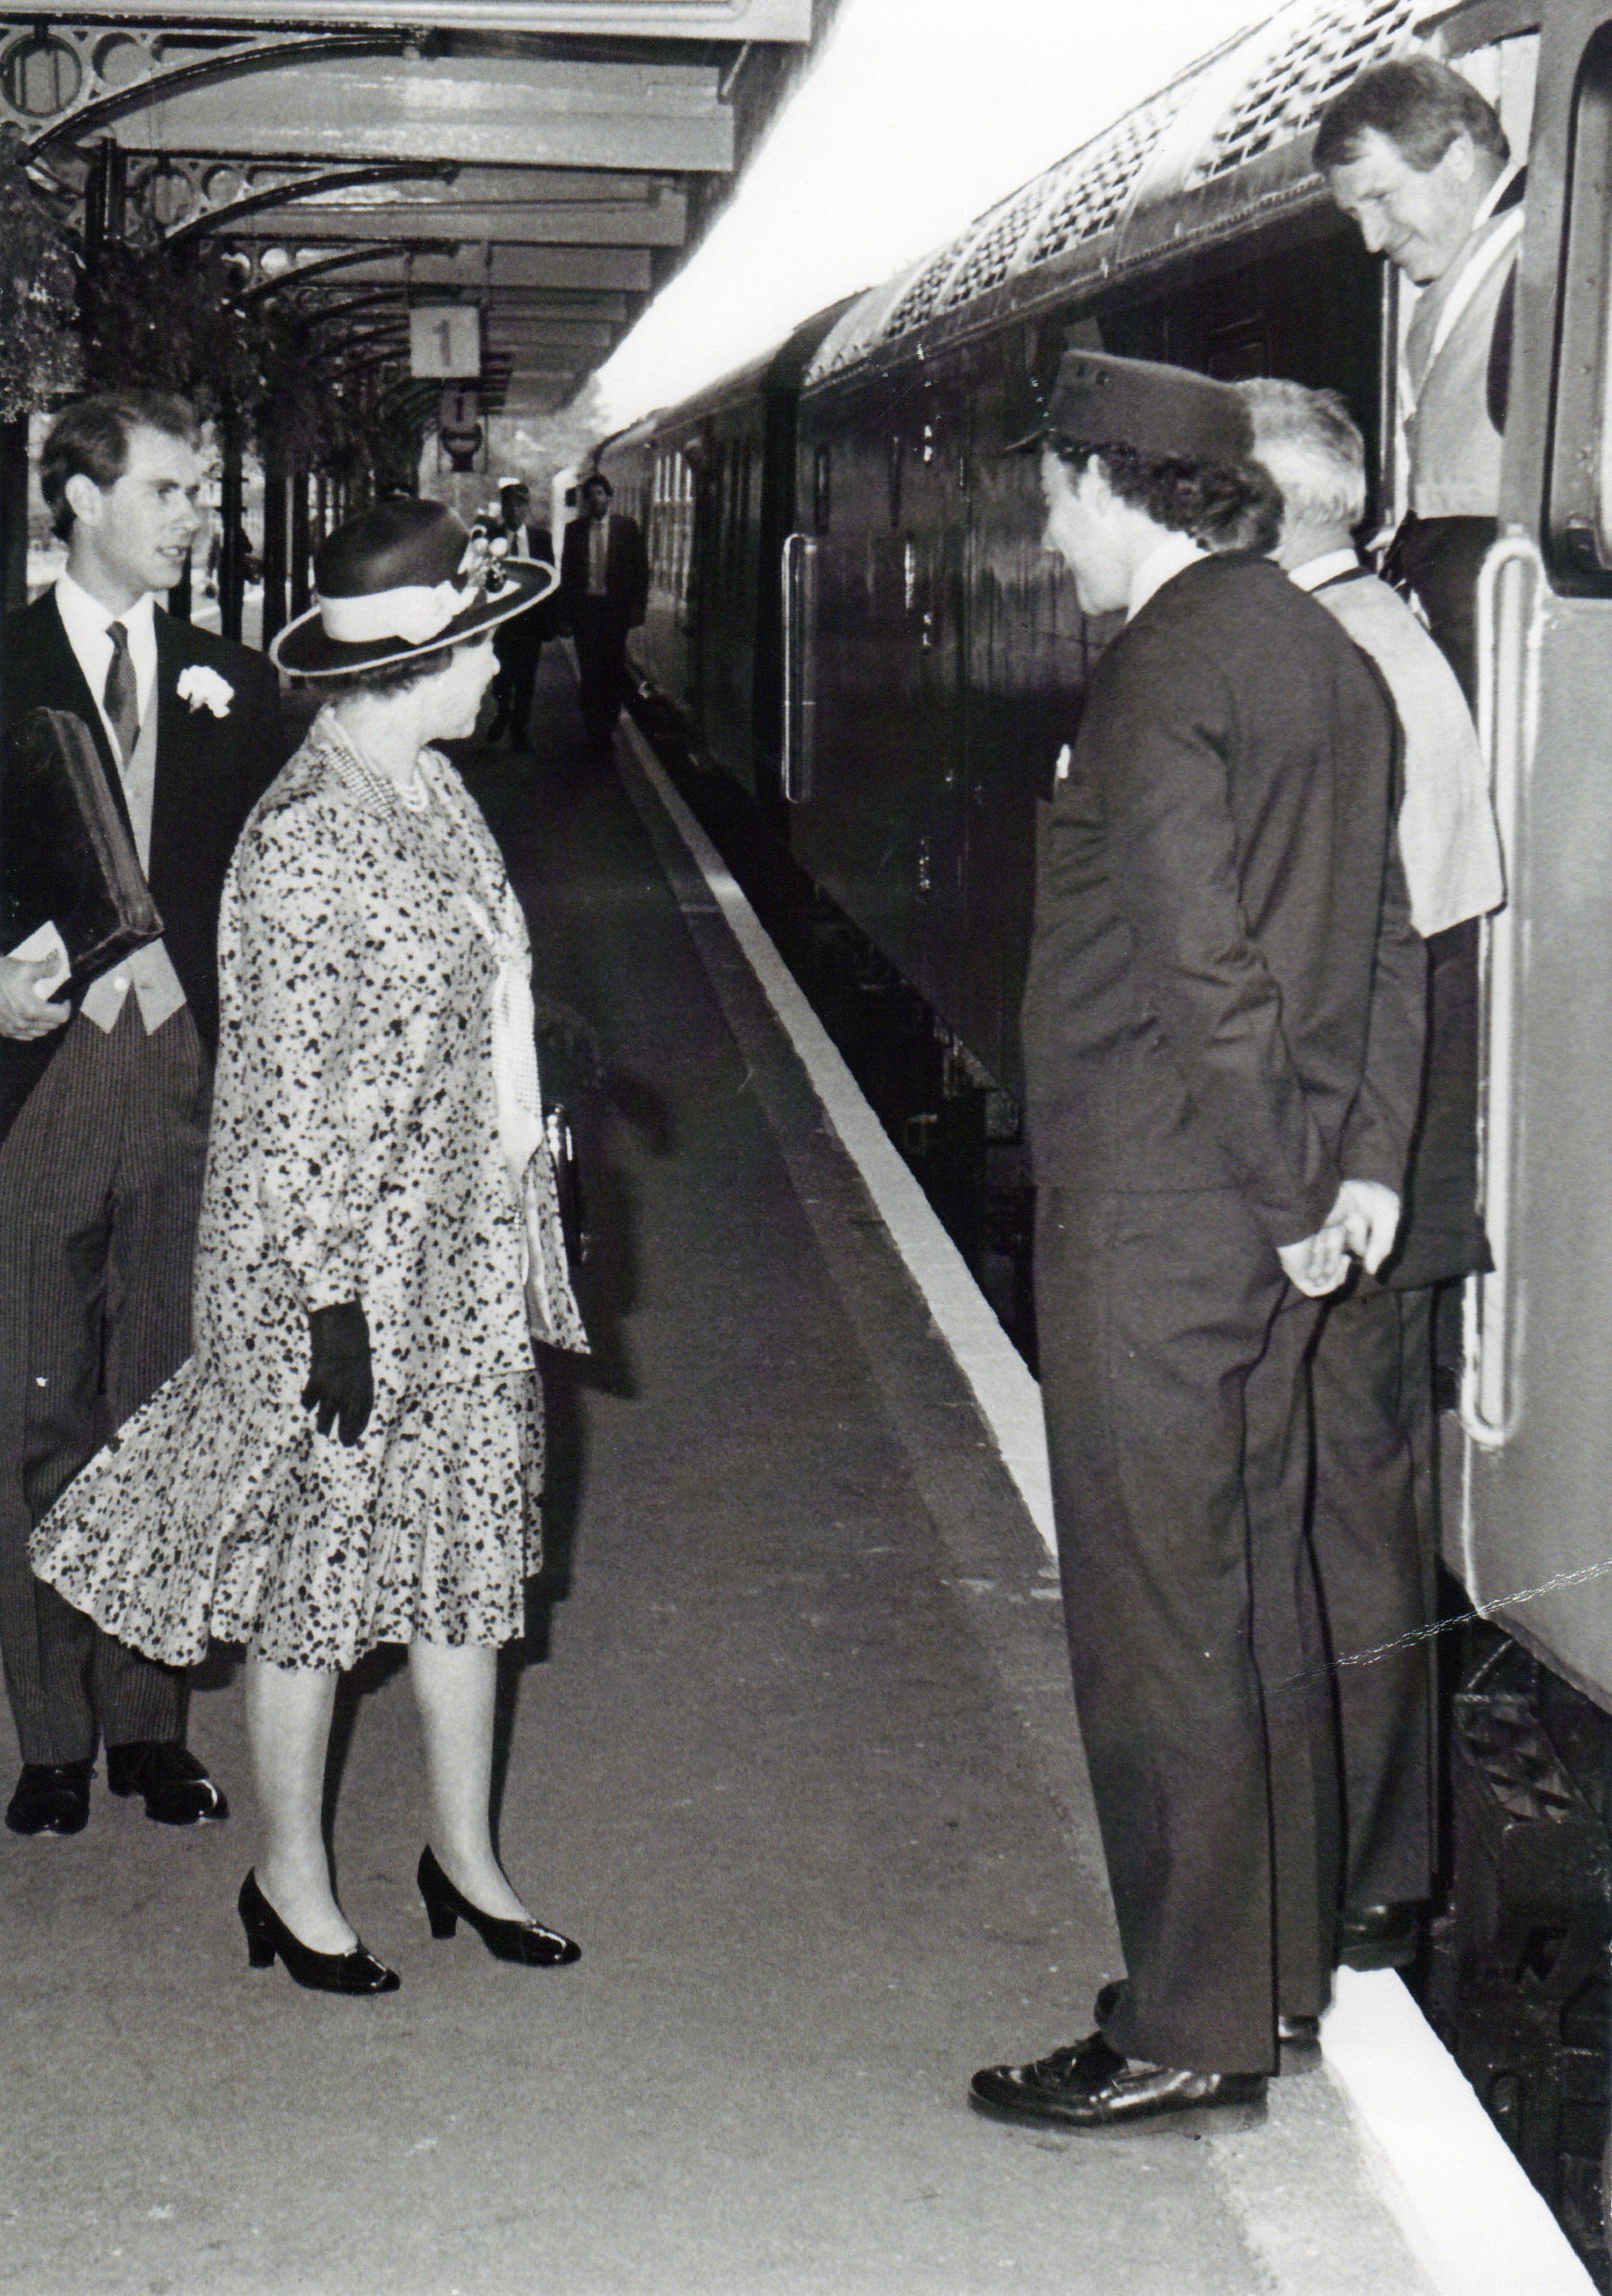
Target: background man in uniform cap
{"x":104,"y":1088}
{"x":1374,"y":1519}
{"x":519,"y":642}
{"x":1221,"y":1034}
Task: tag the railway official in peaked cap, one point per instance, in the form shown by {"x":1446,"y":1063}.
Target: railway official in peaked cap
{"x":1168,"y":412}
{"x":400,"y":580}
{"x":1221,"y":1035}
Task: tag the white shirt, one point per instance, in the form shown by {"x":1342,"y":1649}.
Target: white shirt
{"x":1174,"y":554}
{"x":86,"y":622}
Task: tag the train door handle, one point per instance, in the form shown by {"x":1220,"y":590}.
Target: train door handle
{"x":799,"y":580}
{"x":1511,"y":595}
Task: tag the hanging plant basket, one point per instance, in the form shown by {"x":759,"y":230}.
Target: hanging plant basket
{"x":39,"y":348}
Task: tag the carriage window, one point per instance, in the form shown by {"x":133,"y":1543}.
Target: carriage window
{"x":893,"y":478}
{"x":1578,"y":522}
{"x":1240,"y":350}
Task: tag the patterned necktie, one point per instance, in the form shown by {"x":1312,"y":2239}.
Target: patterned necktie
{"x":121,"y":700}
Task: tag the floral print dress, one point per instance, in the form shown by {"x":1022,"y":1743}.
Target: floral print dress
{"x":354,"y":1155}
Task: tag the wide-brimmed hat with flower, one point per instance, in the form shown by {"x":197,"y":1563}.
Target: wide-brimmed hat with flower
{"x":400,"y":580}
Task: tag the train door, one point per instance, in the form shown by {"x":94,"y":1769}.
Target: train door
{"x":1532,"y":1537}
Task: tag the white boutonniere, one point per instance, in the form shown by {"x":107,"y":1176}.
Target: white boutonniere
{"x":204,"y":689}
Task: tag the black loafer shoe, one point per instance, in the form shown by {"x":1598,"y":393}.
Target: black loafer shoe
{"x":1379,"y":1937}
{"x":51,"y":1797}
{"x":174,"y":1787}
{"x":1091,"y":2086}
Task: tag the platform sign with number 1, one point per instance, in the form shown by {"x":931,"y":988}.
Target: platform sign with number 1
{"x":445,"y":339}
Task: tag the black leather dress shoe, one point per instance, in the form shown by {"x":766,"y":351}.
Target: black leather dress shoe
{"x":1379,"y":1937}
{"x":1090,"y":2087}
{"x":51,"y":1797}
{"x":175,"y":1788}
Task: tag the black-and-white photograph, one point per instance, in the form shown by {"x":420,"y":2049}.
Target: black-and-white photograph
{"x":806,"y":1148}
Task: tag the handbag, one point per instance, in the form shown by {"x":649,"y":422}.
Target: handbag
{"x":551,"y":1309}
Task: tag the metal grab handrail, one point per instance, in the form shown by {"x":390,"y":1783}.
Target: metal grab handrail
{"x":799,"y":571}
{"x":1509,"y":631}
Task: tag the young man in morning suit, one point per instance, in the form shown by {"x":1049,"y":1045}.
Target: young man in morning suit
{"x":604,"y":580}
{"x":1222,"y":1050}
{"x":104,"y":1086}
{"x":1420,"y":160}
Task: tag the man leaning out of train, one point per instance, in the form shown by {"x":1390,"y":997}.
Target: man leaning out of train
{"x":1373,"y":1524}
{"x":1412,"y":152}
{"x":1222,"y":1035}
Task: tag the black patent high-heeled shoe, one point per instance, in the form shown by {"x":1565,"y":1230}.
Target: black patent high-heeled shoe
{"x":355,"y":1971}
{"x":526,"y":1941}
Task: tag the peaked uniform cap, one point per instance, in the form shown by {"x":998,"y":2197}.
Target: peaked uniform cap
{"x":1166,"y":412}
{"x":399,"y":580}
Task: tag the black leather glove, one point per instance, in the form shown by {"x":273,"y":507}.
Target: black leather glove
{"x":341,"y":1387}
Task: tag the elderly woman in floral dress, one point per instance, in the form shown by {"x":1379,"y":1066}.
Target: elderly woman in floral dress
{"x":353,"y":1453}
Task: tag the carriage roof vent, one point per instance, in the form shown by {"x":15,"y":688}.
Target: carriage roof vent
{"x":1097,"y":181}
{"x":1327,"y":46}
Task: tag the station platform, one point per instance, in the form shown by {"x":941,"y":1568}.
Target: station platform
{"x":792,"y":1753}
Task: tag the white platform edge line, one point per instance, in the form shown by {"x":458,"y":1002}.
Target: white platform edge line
{"x":1471,"y":2219}
{"x":1009,"y":1398}
{"x":1474,"y":2222}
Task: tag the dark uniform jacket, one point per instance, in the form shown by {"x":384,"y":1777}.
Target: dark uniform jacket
{"x":1225,"y":990}
{"x":209,"y":773}
{"x":627,"y":568}
{"x":542,"y":622}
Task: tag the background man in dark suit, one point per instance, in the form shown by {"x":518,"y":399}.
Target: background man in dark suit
{"x":519,"y":642}
{"x":604,"y":580}
{"x":1222,"y":1037}
{"x":104,"y":1085}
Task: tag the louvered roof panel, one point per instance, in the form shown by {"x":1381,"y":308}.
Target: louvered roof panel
{"x":1325,"y":48}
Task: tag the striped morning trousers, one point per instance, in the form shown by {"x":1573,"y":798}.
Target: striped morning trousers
{"x":100,"y":1185}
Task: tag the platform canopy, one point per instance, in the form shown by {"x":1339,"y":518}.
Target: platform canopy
{"x":548,"y":165}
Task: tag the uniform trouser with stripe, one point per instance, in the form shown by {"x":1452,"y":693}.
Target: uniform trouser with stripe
{"x":100,"y":1184}
{"x":1172,"y":1354}
{"x":1372,"y":1378}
